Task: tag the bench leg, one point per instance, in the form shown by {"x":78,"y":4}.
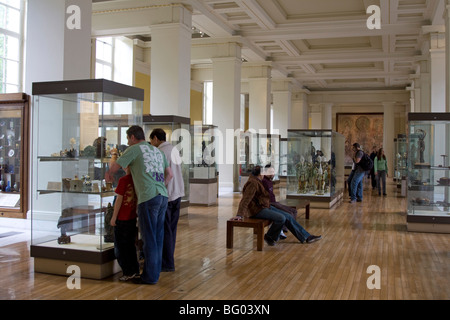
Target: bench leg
{"x":229,"y":236}
{"x":260,"y":237}
{"x":307,"y":211}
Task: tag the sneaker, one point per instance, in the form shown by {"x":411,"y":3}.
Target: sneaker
{"x":312,"y":239}
{"x":359,"y":200}
{"x":352,"y":201}
{"x":282,"y":236}
{"x":126,"y":278}
{"x":269,"y":241}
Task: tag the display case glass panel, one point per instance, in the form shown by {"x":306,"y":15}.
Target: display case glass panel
{"x":428,"y":172}
{"x":283,"y":157}
{"x":14,"y":148}
{"x":72,"y":203}
{"x":268,"y":152}
{"x":248,"y":152}
{"x":258,"y":149}
{"x":178,"y":133}
{"x":315,"y":165}
{"x":400,"y":158}
{"x":204,"y":146}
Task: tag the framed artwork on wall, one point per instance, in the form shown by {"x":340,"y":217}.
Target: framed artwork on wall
{"x":363,"y":128}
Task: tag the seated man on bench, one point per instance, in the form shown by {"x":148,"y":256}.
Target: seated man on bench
{"x":255,"y":203}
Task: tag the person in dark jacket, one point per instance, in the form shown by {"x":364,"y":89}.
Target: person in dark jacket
{"x":255,"y":203}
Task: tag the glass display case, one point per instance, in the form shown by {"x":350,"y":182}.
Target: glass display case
{"x":178,"y":133}
{"x":257,"y":149}
{"x":72,"y":204}
{"x":428,"y":172}
{"x":283,"y":158}
{"x":269,"y":152}
{"x":400,"y":158}
{"x":14,"y":150}
{"x":203,"y":174}
{"x":315,"y":166}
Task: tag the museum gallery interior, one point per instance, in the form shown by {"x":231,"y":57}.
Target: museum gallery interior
{"x":234,"y":84}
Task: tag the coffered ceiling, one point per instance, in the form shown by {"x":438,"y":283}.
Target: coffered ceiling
{"x":324,"y":44}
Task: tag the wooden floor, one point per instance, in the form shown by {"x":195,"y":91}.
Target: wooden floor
{"x":355,"y":236}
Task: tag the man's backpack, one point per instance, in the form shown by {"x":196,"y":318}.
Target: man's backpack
{"x":366,"y":163}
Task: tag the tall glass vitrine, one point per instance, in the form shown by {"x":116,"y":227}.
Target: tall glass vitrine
{"x":71,"y":202}
{"x":428,"y":172}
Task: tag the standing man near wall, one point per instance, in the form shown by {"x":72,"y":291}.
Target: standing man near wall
{"x":175,"y":190}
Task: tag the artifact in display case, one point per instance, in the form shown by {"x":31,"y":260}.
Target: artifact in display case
{"x":14,"y":150}
{"x":428,"y":172}
{"x":177,"y":131}
{"x":203,"y":177}
{"x":315,"y":166}
{"x":72,"y":206}
{"x":283,"y":158}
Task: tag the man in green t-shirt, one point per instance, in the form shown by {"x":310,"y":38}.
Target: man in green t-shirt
{"x":151,"y":173}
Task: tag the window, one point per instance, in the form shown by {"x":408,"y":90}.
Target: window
{"x":11,"y":25}
{"x":104,"y":58}
{"x":208,"y":103}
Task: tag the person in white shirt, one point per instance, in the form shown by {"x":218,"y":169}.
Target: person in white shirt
{"x":175,"y":189}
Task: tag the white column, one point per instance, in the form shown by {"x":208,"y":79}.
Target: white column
{"x":260,"y":101}
{"x":327,"y":116}
{"x":299,"y":117}
{"x":388,"y":136}
{"x":171,"y":69}
{"x":58,"y":43}
{"x":425,"y":86}
{"x":226,"y":114}
{"x":315,"y":112}
{"x":437,"y":57}
{"x":436,"y":43}
{"x":282,"y":106}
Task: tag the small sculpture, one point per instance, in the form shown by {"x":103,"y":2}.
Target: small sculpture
{"x":421,"y":134}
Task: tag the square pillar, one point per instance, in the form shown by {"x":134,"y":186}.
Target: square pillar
{"x":171,"y":70}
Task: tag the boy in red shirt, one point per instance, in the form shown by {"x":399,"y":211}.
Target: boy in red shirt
{"x":125,"y":229}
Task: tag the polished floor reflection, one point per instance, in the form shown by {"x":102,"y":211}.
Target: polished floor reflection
{"x":355,"y":237}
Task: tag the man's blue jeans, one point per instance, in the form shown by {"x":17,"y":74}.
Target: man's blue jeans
{"x":151,"y":221}
{"x":356,"y":186}
{"x":280,"y":218}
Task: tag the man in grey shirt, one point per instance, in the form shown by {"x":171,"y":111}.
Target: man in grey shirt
{"x":175,"y":189}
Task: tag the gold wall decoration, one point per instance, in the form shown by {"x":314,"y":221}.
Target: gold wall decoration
{"x":363,"y":128}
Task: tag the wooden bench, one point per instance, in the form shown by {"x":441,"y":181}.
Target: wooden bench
{"x":297,"y":204}
{"x":258,"y":226}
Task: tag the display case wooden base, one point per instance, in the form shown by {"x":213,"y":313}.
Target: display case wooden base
{"x":433,"y":224}
{"x":88,"y":270}
{"x":82,"y":251}
{"x":321,"y":202}
{"x":203,"y":192}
